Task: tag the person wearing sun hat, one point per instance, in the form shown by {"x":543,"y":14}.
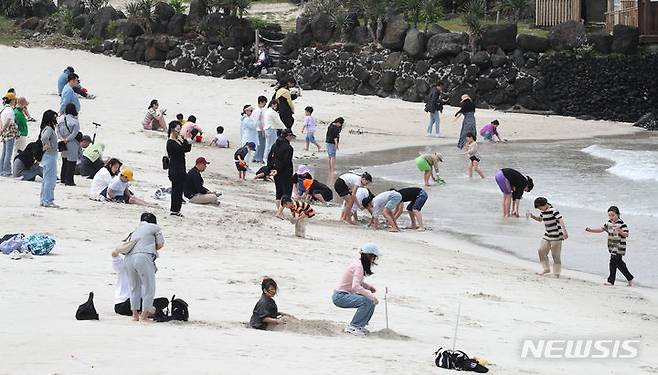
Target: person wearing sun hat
{"x":303,"y":172}
{"x":119,"y":189}
{"x":468,"y":124}
{"x":352,"y":292}
{"x":194,"y":189}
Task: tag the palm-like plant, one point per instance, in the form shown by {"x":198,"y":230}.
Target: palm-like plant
{"x":513,"y":8}
{"x":14,"y":8}
{"x":412,"y":10}
{"x":236,"y":8}
{"x":432,"y":10}
{"x":472,"y":13}
{"x":142,"y":11}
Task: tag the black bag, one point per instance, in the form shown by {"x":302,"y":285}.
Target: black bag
{"x":87,"y":311}
{"x":457,"y":360}
{"x":179,"y":309}
{"x":61,"y":146}
{"x":165,"y":162}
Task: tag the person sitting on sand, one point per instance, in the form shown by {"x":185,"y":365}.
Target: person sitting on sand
{"x":265,"y":173}
{"x":384,"y":203}
{"x":617,"y":232}
{"x":317,"y":191}
{"x":426,"y":162}
{"x":140,"y":265}
{"x":190,"y":130}
{"x":489,"y":132}
{"x":301,"y":212}
{"x":220,"y":140}
{"x":346,"y":186}
{"x":416,"y":198}
{"x":92,"y":158}
{"x":239,"y":157}
{"x":119,"y":190}
{"x":266,"y":312}
{"x":103,"y":177}
{"x":303,"y":173}
{"x":155,"y":117}
{"x":556,"y":232}
{"x":194,"y":190}
{"x":353,"y":292}
{"x":473,"y":156}
{"x":512,"y":184}
{"x":26,"y":164}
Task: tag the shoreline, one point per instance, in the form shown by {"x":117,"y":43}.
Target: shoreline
{"x":214,"y":257}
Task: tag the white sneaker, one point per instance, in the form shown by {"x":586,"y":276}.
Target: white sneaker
{"x":15,"y":254}
{"x":354,"y":331}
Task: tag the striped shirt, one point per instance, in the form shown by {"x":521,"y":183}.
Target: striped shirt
{"x":616,"y":243}
{"x":298,"y":208}
{"x":554,"y":231}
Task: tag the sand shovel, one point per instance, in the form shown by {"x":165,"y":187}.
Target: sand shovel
{"x":386,"y":305}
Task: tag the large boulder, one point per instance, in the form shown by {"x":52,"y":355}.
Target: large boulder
{"x":43,"y":8}
{"x":387,"y":81}
{"x":322,"y":28}
{"x":481,"y":59}
{"x":163,"y":12}
{"x":131,"y":28}
{"x":532,"y":43}
{"x":601,"y":41}
{"x":101,"y":21}
{"x":648,"y":121}
{"x":80,"y":21}
{"x":414,"y":43}
{"x":445,"y":45}
{"x":625,"y":39}
{"x":502,"y":36}
{"x":198,"y":10}
{"x":567,"y":35}
{"x":394,"y":33}
{"x":304,"y":31}
{"x":176,"y":25}
{"x":290,"y":43}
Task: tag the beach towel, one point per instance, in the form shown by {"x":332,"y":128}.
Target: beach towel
{"x":39,"y":243}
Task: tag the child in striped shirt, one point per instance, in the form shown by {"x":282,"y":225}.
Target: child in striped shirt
{"x":556,"y":232}
{"x":301,"y":212}
{"x":617,"y":234}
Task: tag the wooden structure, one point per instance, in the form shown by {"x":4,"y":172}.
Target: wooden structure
{"x":648,"y":21}
{"x":274,"y":46}
{"x":553,"y":12}
{"x":627,"y":14}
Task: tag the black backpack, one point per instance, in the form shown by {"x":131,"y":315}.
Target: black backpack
{"x":179,"y":309}
{"x":87,"y":311}
{"x":457,"y":360}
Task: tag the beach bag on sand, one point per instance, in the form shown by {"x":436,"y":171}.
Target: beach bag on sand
{"x":39,"y":243}
{"x":457,"y":360}
{"x":11,"y":244}
{"x":87,"y":311}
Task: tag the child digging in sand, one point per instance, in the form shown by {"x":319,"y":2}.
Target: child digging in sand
{"x":266,"y":313}
{"x":617,"y":234}
{"x":310,"y":124}
{"x":472,"y":155}
{"x":301,"y":212}
{"x":556,"y":232}
{"x":220,"y":139}
{"x":385,"y":204}
{"x":239,"y":158}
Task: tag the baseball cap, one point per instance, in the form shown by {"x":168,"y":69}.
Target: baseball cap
{"x":127,"y":173}
{"x":201,"y":160}
{"x":251,"y":145}
{"x":371,"y":248}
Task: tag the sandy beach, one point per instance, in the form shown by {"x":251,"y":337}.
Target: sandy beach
{"x":215,"y":257}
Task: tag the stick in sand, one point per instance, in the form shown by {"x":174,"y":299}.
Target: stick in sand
{"x":454,"y":339}
{"x":386,"y":305}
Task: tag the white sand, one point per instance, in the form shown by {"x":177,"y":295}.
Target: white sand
{"x":214,"y":257}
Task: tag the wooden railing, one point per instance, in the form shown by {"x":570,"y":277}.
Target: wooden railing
{"x":553,"y":12}
{"x":626,"y":15}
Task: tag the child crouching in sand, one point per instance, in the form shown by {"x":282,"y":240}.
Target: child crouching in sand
{"x":425,"y":163}
{"x":617,"y":234}
{"x":239,"y":157}
{"x":556,"y":232}
{"x":220,"y":139}
{"x":266,"y":312}
{"x":301,"y":212}
{"x":472,"y":155}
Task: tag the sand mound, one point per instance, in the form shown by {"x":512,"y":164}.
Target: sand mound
{"x":310,"y":327}
{"x":389,"y":334}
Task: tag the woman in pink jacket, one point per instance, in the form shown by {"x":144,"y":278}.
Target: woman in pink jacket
{"x":353,"y":292}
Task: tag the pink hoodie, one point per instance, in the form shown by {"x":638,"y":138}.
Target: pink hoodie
{"x":352,"y":281}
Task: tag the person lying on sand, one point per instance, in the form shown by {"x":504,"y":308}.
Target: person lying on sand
{"x":266,"y":312}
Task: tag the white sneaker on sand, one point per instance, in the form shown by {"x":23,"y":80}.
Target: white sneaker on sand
{"x":354,"y":331}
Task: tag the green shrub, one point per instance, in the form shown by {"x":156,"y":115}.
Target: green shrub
{"x":178,"y":5}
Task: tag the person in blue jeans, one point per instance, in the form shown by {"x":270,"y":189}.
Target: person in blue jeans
{"x":434,"y":107}
{"x":354,"y":293}
{"x":416,"y":198}
{"x":49,"y":159}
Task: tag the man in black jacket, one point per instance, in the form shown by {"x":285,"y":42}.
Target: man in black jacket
{"x":194,"y":189}
{"x":281,"y":159}
{"x":434,"y":107}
